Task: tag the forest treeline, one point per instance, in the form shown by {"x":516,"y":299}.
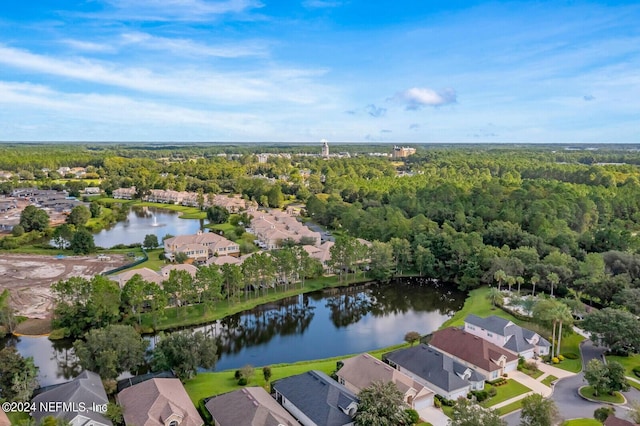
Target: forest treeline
{"x":543,"y":215}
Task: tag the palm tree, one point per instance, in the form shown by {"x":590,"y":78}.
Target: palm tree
{"x":520,"y":281}
{"x":543,"y":311}
{"x":535,"y":279}
{"x":510,"y":281}
{"x":494,"y":296}
{"x":553,"y":279}
{"x":500,"y":276}
{"x":562,"y":314}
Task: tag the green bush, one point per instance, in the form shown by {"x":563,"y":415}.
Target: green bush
{"x":413,"y":415}
{"x":242,"y":381}
{"x":602,"y":413}
{"x":498,"y":382}
{"x":437,"y":403}
{"x":570,"y":355}
{"x":482,"y":395}
{"x":493,"y":392}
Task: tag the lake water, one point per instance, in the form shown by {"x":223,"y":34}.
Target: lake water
{"x":321,"y":324}
{"x":146,"y":220}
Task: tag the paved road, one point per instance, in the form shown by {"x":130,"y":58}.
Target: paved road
{"x":566,"y":397}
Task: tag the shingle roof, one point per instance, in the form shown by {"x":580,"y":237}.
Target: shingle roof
{"x":433,"y":366}
{"x":150,"y":403}
{"x":251,"y":406}
{"x":85,"y":389}
{"x":617,"y":421}
{"x":503,"y":327}
{"x":318,"y":396}
{"x":470,"y":348}
{"x":362,"y":370}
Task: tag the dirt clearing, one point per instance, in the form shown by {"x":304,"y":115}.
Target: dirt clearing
{"x":29,"y":277}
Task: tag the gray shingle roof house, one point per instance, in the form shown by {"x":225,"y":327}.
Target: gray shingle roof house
{"x":315,"y":399}
{"x":361,"y":371}
{"x":85,"y":398}
{"x":436,"y":370}
{"x":508,"y":335}
{"x":158,"y":402}
{"x":485,"y":357}
{"x":251,"y":406}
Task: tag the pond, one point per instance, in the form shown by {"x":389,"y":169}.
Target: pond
{"x":146,"y":220}
{"x":320,"y":324}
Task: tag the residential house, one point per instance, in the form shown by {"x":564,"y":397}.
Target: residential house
{"x":315,"y":399}
{"x":145,"y":273}
{"x":200,"y":246}
{"x":233,"y":204}
{"x":165,"y":271}
{"x":124,"y":193}
{"x":486,"y":358}
{"x":617,"y":421}
{"x":361,"y":371}
{"x":82,"y":401}
{"x":250,"y":406}
{"x":435,"y":370}
{"x":507,"y":335}
{"x":158,"y":402}
{"x":92,"y":190}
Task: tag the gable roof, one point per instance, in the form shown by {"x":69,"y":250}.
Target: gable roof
{"x":251,"y":406}
{"x":434,"y":367}
{"x":470,"y":348}
{"x":318,"y":396}
{"x":85,"y":389}
{"x":151,"y":403}
{"x":362,"y":370}
{"x":520,"y":337}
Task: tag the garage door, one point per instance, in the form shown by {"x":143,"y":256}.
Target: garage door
{"x":421,"y":403}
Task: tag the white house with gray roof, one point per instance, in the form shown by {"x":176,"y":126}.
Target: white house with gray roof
{"x":435,"y":370}
{"x":315,"y":399}
{"x":506,"y":334}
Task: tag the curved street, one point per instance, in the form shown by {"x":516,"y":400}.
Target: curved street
{"x":565,"y":393}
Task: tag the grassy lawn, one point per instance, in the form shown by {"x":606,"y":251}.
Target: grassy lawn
{"x":571,"y":343}
{"x":209,"y":384}
{"x":224,"y":227}
{"x":628,"y":362}
{"x":582,"y":422}
{"x":531,"y":373}
{"x":587,"y":392}
{"x":505,"y":392}
{"x":506,"y":409}
{"x":547,"y":380}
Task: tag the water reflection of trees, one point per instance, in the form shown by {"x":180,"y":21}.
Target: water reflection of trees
{"x":415,"y":294}
{"x":350,"y":305}
{"x":68,"y":365}
{"x":291,"y":316}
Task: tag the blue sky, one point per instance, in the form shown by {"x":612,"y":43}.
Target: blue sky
{"x":306,"y":70}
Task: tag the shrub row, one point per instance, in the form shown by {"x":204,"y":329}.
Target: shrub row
{"x":444,"y":401}
{"x":498,"y":382}
{"x":570,"y":355}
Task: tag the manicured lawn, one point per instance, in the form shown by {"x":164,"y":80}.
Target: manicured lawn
{"x":154,"y":263}
{"x":571,"y":343}
{"x":478,"y":304}
{"x":582,"y":422}
{"x":208,"y":384}
{"x":547,"y":380}
{"x":505,"y":392}
{"x":587,"y":392}
{"x":506,"y":409}
{"x":628,"y":362}
{"x":224,"y":227}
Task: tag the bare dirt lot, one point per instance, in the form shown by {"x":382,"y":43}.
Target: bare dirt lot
{"x":29,"y":278}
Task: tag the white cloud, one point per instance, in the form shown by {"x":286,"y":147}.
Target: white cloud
{"x":87,"y":46}
{"x":185,"y":47}
{"x":271,"y":84}
{"x":418,"y":97}
{"x":176,"y":10}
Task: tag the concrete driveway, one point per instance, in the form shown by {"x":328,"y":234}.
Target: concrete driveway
{"x":434,"y":416}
